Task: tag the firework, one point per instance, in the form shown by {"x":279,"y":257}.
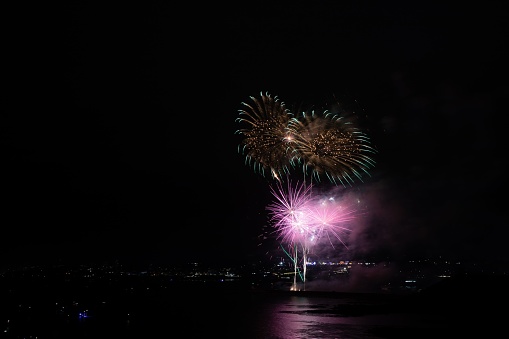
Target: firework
{"x":298,"y":216}
{"x":266,"y":137}
{"x":289,"y":216}
{"x":289,"y":213}
{"x":323,"y":144}
{"x":329,"y":219}
{"x":328,"y":145}
{"x":301,"y":220}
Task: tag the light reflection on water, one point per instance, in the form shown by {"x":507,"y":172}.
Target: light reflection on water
{"x":230,"y":314}
{"x":285,"y":316}
{"x":304,"y":317}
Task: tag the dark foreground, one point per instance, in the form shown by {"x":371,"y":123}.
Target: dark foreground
{"x":146,"y":308}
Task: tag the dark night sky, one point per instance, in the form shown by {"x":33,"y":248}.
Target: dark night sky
{"x":119,"y":142}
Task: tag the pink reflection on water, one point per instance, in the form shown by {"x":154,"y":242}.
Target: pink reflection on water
{"x":304,"y":317}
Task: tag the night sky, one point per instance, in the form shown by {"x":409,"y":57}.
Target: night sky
{"x":120,"y":144}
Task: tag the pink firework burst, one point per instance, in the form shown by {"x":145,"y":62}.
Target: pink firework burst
{"x":329,"y":219}
{"x":289,"y":214}
{"x":298,"y":216}
{"x":301,"y":220}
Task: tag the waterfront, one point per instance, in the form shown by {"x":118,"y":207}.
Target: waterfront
{"x":144,"y":306}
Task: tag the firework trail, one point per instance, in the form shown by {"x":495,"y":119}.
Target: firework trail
{"x":266,"y":143}
{"x":288,"y":217}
